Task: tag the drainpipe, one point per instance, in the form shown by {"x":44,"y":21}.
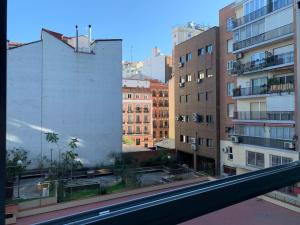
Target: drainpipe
{"x":77,"y":45}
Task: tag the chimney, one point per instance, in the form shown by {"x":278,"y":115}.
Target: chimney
{"x":90,"y":34}
{"x":77,"y":44}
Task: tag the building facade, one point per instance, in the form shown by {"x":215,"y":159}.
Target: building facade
{"x":131,"y":68}
{"x":185,"y":32}
{"x":160,"y":110}
{"x":137,"y":116}
{"x":264,"y":92}
{"x":196,"y":73}
{"x":56,"y":86}
{"x":158,"y":66}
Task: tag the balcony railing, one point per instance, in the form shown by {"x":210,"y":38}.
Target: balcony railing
{"x":264,"y":115}
{"x":146,"y":110}
{"x":264,"y":142}
{"x":272,"y":34}
{"x":261,"y":90}
{"x":129,"y":111}
{"x":261,"y":12}
{"x":258,"y":65}
{"x":130,"y":122}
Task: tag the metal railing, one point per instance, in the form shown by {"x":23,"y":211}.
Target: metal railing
{"x":264,"y":142}
{"x":258,"y":65}
{"x":264,"y":115}
{"x":269,"y":35}
{"x":261,"y":12}
{"x":261,"y":90}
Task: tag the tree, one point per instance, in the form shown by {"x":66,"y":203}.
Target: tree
{"x":16,"y":162}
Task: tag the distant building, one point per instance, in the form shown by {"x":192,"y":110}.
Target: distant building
{"x":158,"y":66}
{"x":131,"y":68}
{"x":160,"y":111}
{"x":72,"y":88}
{"x":137,"y":113}
{"x":185,"y":32}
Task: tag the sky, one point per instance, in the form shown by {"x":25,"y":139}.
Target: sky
{"x":142,"y":24}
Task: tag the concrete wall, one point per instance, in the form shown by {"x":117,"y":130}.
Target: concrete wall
{"x":155,"y":67}
{"x":239,"y":154}
{"x":52,"y":88}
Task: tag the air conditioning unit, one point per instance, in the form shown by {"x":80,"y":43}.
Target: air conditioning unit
{"x":180,"y":64}
{"x":239,"y":55}
{"x":225,"y":150}
{"x":199,"y":80}
{"x":235,"y":139}
{"x":181,"y":84}
{"x":289,"y":145}
{"x":194,"y":117}
{"x":193,"y":140}
{"x":193,"y":147}
{"x":184,"y":118}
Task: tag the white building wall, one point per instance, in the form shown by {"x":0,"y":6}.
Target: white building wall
{"x":278,"y":19}
{"x":136,"y":83}
{"x":73,"y":94}
{"x":239,"y":155}
{"x":281,"y":103}
{"x":155,"y":67}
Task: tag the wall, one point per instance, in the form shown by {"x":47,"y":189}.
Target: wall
{"x":239,"y":154}
{"x":171,"y":86}
{"x":53,"y":89}
{"x":155,"y":67}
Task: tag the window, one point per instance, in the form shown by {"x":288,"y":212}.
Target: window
{"x":201,"y":96}
{"x":208,"y":95}
{"x":230,"y":87}
{"x":201,"y":141}
{"x":189,"y":78}
{"x":154,"y":134}
{"x":230,"y":110}
{"x":209,"y":49}
{"x":229,"y":24}
{"x":209,"y":73}
{"x":181,"y":59}
{"x":279,"y":160}
{"x":255,"y":159}
{"x":129,"y":96}
{"x":181,"y":138}
{"x":201,"y":76}
{"x":230,"y":153}
{"x":188,"y":56}
{"x":209,"y":119}
{"x":181,"y":98}
{"x":201,"y":51}
{"x":160,"y":134}
{"x":210,"y":143}
{"x":146,"y":96}
{"x":137,"y":96}
{"x":230,"y":46}
{"x":230,"y":65}
{"x":284,"y":133}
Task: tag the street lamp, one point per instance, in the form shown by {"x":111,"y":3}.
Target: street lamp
{"x":19,"y":163}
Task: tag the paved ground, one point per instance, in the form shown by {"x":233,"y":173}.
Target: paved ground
{"x":251,"y":212}
{"x":28,"y":188}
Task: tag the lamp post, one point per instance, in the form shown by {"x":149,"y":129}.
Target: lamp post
{"x":19,"y":163}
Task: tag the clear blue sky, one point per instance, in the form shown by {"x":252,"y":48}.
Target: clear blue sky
{"x":141,"y":24}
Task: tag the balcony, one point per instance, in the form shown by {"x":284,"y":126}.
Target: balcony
{"x":267,"y":36}
{"x":264,"y":115}
{"x":146,"y":110}
{"x":146,"y":121}
{"x":138,"y":121}
{"x":261,"y":12}
{"x":265,"y":142}
{"x":263,"y":90}
{"x":130,"y":122}
{"x":138,"y":110}
{"x":268,"y":63}
{"x":129,"y":111}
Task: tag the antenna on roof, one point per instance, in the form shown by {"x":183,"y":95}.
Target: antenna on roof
{"x":77,"y":44}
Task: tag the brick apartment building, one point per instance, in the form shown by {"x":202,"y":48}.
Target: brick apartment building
{"x":137,"y":116}
{"x":196,"y":72}
{"x":227,"y":81}
{"x":160,"y":110}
